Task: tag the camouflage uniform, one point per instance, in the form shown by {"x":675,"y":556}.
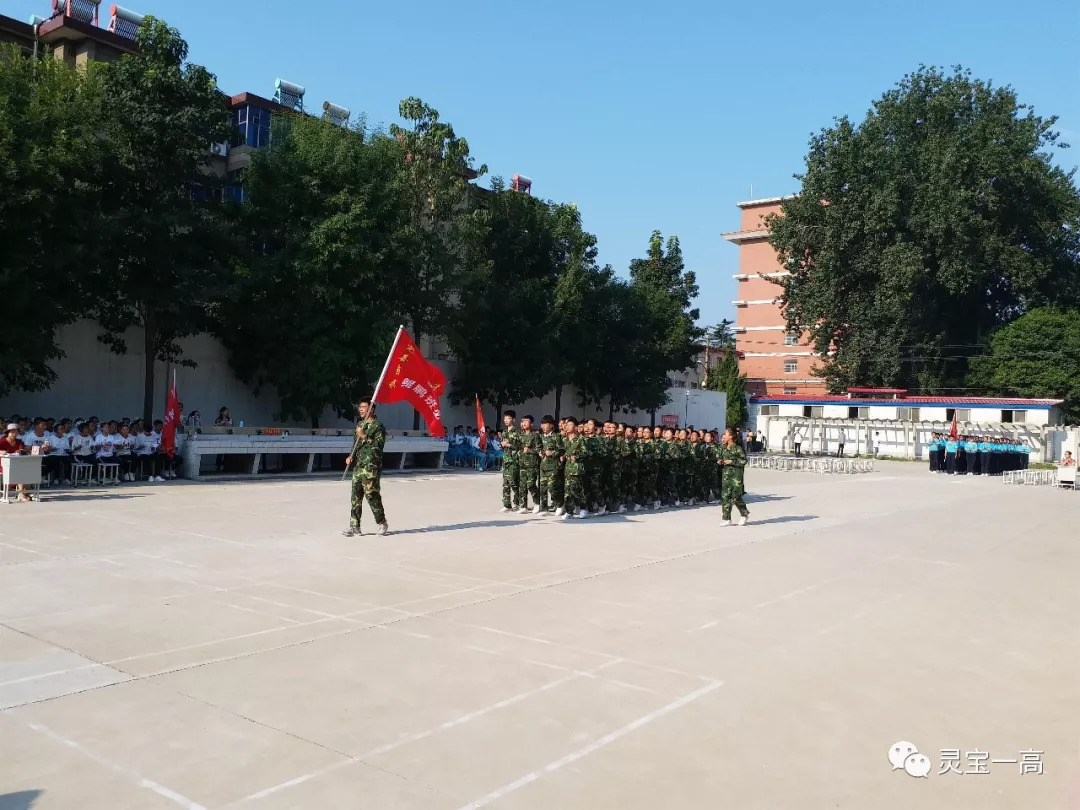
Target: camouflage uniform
{"x":685,"y":468}
{"x":367,"y":468}
{"x":529,"y":447}
{"x":646,"y":480}
{"x":613,"y":480}
{"x":577,"y":451}
{"x":712,"y":470}
{"x":594,"y":471}
{"x":628,"y":470}
{"x":732,"y":488}
{"x":549,"y":471}
{"x":701,"y":472}
{"x":666,"y":488}
{"x":510,"y":470}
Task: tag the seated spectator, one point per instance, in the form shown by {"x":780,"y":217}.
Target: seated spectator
{"x":105,"y":444}
{"x":146,"y":450}
{"x":455,"y":455}
{"x":1067,"y":460}
{"x":194,"y":419}
{"x":125,"y":452}
{"x":58,"y":459}
{"x":168,"y":464}
{"x":82,"y":445}
{"x":223,"y":418}
{"x":11,"y":445}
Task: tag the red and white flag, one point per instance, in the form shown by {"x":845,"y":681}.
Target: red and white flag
{"x":480,"y":427}
{"x":172,"y":419}
{"x":954,"y":434}
{"x":408,"y":377}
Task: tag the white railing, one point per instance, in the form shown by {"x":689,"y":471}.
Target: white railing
{"x":822,"y":465}
{"x":1037,"y":478}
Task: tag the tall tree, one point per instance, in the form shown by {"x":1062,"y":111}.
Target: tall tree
{"x":919,"y":231}
{"x":726,"y":377}
{"x":437,"y":167}
{"x":166,"y":239}
{"x":571,"y":323}
{"x":508,"y":244}
{"x":669,"y":290}
{"x":1037,"y":355}
{"x":50,"y":195}
{"x":313,"y":310}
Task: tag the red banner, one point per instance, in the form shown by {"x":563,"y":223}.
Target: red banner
{"x":172,"y":419}
{"x":954,"y":433}
{"x":408,"y":377}
{"x":480,"y":427}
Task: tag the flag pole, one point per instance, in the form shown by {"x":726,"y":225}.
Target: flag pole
{"x":378,"y":385}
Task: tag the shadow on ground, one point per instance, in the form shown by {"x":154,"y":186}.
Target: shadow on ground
{"x":23,"y":800}
{"x":453,"y":527}
{"x":782,"y":519}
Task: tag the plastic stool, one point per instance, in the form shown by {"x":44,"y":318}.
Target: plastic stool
{"x":82,"y":473}
{"x":108,"y":474}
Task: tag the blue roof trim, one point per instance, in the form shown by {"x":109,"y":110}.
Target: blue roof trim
{"x":901,"y":403}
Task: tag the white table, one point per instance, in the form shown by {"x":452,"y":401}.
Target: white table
{"x":21,"y":470}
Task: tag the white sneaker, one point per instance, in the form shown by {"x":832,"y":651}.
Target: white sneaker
{"x":678,"y":503}
{"x":563,"y":516}
{"x":505,"y":509}
{"x":726,"y":523}
{"x":582,"y":514}
{"x":622,"y":509}
{"x":656,"y":505}
{"x":384,"y":529}
{"x":637,"y":507}
{"x":536,"y":509}
{"x":744,"y":520}
{"x":560,"y":512}
{"x":523,"y":511}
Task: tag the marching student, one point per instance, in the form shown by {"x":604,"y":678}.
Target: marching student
{"x":511,"y":493}
{"x":551,"y":451}
{"x":576,"y":452}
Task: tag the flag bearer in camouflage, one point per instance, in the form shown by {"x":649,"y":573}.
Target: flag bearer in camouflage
{"x":733,"y":462}
{"x":551,"y":448}
{"x":530,"y":449}
{"x":576,"y":451}
{"x":511,"y":495}
{"x":629,"y":455}
{"x":370,"y":440}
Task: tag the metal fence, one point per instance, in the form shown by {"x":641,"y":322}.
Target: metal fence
{"x":1038,"y":478}
{"x":826,"y":465}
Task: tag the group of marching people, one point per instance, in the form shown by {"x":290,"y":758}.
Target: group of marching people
{"x":594,"y":468}
{"x":978,"y":455}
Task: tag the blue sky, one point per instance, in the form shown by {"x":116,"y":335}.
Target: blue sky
{"x":647,"y":115}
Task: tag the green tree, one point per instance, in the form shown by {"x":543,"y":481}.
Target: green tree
{"x":670,"y":289}
{"x":50,"y":195}
{"x":1037,"y":355}
{"x":726,"y":377}
{"x":501,"y":305}
{"x":166,"y":241}
{"x":922,"y":229}
{"x":313,"y":309}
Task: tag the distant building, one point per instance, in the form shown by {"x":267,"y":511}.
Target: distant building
{"x":774,"y":360}
{"x":894,"y":424}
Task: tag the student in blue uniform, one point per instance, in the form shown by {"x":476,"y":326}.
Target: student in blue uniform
{"x":950,"y":455}
{"x":933,"y":448}
{"x":972,"y":448}
{"x":984,"y":455}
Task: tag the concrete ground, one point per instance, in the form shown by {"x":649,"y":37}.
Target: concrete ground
{"x":222,"y":646}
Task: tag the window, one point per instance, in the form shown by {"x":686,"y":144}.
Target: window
{"x":252,"y":126}
{"x":770,"y":410}
{"x":960,"y":414}
{"x":790,"y":391}
{"x":858,"y":413}
{"x":791,"y":339}
{"x":812,"y":411}
{"x":907,"y":414}
{"x":1014,"y":416}
{"x":791,"y":366}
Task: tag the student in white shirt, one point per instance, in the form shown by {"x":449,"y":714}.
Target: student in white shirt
{"x":125,"y":453}
{"x":105,"y":444}
{"x":167,"y":465}
{"x":146,"y":449}
{"x":58,"y":460}
{"x":797,"y":441}
{"x":82,"y":445}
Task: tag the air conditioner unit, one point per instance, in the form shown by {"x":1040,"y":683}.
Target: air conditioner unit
{"x":219,"y":149}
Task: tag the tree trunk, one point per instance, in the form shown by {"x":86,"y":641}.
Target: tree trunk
{"x":149,"y":356}
{"x":611,"y":409}
{"x":652,"y":418}
{"x":558,"y":402}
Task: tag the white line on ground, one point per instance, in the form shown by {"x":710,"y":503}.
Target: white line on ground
{"x":595,"y":745}
{"x":140,"y":780}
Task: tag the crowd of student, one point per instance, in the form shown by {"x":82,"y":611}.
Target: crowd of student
{"x":978,"y":455}
{"x":135,"y":446}
{"x":468,"y":450}
{"x":612,"y":467}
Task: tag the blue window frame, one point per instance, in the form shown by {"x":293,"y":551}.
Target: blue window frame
{"x":252,"y":125}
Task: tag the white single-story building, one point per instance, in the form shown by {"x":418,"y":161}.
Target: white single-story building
{"x":888,"y":423}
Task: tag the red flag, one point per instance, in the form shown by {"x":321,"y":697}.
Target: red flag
{"x":954,"y":434}
{"x":480,"y":424}
{"x":172,"y":419}
{"x":408,"y":377}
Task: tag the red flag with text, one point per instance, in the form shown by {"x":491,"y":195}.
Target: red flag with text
{"x":172,"y":419}
{"x":408,"y":377}
{"x":954,"y":434}
{"x":480,"y":427}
